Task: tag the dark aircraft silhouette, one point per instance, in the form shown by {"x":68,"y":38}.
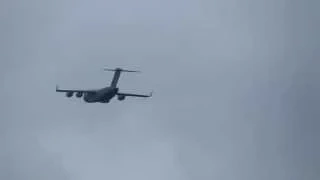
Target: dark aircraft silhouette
{"x":103,"y":95}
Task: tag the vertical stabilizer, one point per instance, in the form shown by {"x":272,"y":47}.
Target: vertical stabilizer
{"x":115,"y":78}
{"x":116,"y":75}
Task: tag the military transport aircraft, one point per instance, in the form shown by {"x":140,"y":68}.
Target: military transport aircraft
{"x":103,"y":95}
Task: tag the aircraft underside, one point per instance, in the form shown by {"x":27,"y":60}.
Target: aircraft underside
{"x":103,"y":95}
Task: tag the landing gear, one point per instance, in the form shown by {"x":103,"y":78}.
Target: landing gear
{"x":105,"y":101}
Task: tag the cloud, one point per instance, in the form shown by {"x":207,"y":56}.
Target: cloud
{"x":235,"y":90}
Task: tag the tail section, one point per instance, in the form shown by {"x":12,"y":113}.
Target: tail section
{"x":116,"y":75}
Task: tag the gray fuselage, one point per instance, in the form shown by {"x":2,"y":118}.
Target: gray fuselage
{"x":103,"y":95}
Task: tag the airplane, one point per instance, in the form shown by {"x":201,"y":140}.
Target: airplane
{"x":103,"y":95}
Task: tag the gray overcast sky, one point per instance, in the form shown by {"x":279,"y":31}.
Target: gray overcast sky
{"x":236,"y":90}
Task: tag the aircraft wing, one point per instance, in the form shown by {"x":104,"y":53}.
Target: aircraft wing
{"x":73,"y":90}
{"x":135,"y":95}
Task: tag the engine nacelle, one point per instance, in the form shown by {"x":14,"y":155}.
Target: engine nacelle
{"x":121,"y":97}
{"x":79,"y":94}
{"x":69,"y":94}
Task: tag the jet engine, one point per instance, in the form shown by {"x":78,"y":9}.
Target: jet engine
{"x":121,"y":97}
{"x":79,"y":94}
{"x":69,"y":94}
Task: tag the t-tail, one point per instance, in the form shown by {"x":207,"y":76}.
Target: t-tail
{"x":116,"y":75}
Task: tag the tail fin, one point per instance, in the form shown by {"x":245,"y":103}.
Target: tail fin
{"x":116,"y":75}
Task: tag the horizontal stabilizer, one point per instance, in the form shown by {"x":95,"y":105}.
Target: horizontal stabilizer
{"x":120,"y":70}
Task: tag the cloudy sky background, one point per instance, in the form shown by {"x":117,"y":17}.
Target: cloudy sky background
{"x":236,"y":90}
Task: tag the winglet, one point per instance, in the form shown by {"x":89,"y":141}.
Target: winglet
{"x":151,"y":93}
{"x":57,"y":87}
